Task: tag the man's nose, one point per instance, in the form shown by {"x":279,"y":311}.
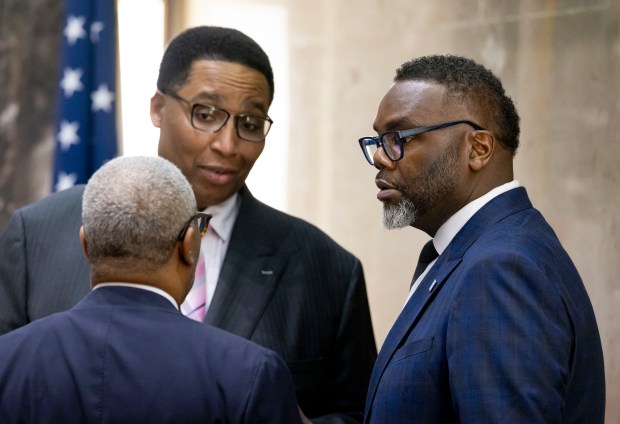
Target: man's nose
{"x":226,"y":139}
{"x":381,"y":160}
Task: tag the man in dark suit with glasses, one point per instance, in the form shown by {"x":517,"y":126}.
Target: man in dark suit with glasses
{"x":498,"y":326}
{"x":269,"y":277}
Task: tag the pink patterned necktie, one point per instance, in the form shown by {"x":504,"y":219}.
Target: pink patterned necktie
{"x":194,"y":306}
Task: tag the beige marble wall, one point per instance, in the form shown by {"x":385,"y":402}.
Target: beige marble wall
{"x":559,"y":60}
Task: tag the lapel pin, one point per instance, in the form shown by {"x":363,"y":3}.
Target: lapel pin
{"x":432,"y":285}
{"x":266,"y":272}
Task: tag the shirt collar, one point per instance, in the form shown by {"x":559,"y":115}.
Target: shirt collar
{"x":140,"y":286}
{"x":453,"y":225}
{"x":224,"y":216}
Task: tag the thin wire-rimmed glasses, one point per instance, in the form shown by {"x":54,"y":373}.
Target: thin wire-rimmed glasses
{"x":211,"y":119}
{"x":392,"y":141}
{"x":203,"y":224}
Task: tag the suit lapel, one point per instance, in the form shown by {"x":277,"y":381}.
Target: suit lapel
{"x":250,"y":272}
{"x":498,"y":208}
{"x":244,"y":288}
{"x":409,"y":316}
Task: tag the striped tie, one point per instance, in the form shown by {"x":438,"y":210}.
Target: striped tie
{"x":194,"y":306}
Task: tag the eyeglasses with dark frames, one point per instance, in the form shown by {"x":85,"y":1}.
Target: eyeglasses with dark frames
{"x":203,"y":224}
{"x":211,"y":119}
{"x":392,"y":141}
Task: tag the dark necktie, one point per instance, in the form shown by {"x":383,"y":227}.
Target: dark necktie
{"x":427,"y":255}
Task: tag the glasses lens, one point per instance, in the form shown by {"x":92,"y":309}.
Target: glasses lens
{"x":252,"y":128}
{"x":392,"y":145}
{"x":208,"y":118}
{"x":369,"y":144}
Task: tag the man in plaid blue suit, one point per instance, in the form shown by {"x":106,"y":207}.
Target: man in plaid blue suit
{"x":498,"y":326}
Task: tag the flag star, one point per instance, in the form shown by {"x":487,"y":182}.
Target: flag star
{"x":65,"y":181}
{"x":71,"y":81}
{"x":102,"y":99}
{"x":68,"y":134}
{"x":75,"y":29}
{"x":95,"y":28}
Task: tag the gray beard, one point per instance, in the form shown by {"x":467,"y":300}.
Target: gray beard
{"x":401,"y":215}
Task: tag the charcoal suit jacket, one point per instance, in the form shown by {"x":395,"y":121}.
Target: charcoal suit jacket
{"x":127,"y":355}
{"x":500,"y":329}
{"x":284,"y":284}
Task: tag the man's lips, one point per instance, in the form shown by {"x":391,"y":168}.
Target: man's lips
{"x":386,"y":190}
{"x":217,"y":174}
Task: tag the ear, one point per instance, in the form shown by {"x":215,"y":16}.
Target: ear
{"x":83,"y":241}
{"x":189,"y":247}
{"x":157,"y":104}
{"x":483,"y":145}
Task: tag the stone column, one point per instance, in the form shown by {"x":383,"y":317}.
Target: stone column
{"x":30,"y":32}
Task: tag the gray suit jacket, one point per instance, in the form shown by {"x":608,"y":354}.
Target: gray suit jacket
{"x":284,"y":284}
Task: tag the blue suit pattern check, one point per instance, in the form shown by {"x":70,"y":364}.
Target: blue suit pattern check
{"x":507,"y":334}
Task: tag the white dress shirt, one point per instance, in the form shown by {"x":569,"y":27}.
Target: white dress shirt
{"x":140,"y":286}
{"x":215,"y":242}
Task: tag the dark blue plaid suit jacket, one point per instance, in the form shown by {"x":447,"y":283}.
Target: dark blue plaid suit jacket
{"x":501,"y":329}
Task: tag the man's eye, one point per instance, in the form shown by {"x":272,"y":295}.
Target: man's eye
{"x":249,"y":123}
{"x":204,"y":114}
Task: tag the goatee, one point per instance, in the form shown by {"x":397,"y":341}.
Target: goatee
{"x":400,"y":215}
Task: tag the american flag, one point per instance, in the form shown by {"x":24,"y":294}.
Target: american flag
{"x":86,"y":117}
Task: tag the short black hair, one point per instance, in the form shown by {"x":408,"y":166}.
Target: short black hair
{"x":473,"y":84}
{"x":210,"y":43}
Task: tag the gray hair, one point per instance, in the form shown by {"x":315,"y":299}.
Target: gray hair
{"x":134,"y":208}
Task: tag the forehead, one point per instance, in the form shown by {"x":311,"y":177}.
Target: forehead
{"x":222,"y":82}
{"x":410,"y":103}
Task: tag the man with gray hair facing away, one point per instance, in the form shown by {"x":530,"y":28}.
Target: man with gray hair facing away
{"x":125,"y":353}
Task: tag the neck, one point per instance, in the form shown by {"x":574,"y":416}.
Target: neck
{"x":158,"y":276}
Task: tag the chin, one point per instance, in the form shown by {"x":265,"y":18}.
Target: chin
{"x":400,"y":215}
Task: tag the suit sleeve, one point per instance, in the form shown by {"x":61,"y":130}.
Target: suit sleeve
{"x":272,"y":396}
{"x":509,"y":343}
{"x":355,"y":353}
{"x":13,"y":277}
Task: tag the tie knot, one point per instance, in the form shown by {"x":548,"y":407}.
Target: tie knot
{"x":428,"y":253}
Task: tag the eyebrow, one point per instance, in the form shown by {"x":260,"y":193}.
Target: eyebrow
{"x":205,"y":95}
{"x":215,"y":97}
{"x":254,"y":104}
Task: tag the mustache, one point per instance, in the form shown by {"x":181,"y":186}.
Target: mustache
{"x":382,"y":175}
